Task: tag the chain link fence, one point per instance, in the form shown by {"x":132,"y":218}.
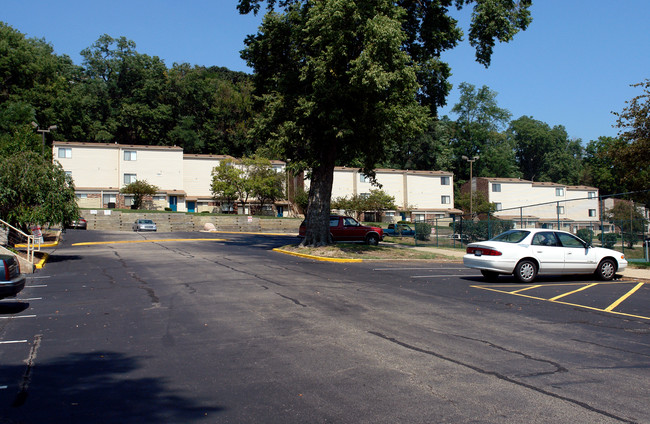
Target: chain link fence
{"x":629,"y":236}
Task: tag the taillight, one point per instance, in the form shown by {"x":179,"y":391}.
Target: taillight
{"x":6,"y":270}
{"x":480,"y":251}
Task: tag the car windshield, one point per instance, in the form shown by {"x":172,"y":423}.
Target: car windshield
{"x":146,"y":221}
{"x":512,"y":236}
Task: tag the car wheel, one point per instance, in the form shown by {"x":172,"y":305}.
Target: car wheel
{"x":526,"y":271}
{"x":490,"y":275}
{"x":606,"y":269}
{"x":372,"y":239}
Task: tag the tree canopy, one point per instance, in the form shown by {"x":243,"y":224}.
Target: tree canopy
{"x":630,"y":153}
{"x":33,"y":190}
{"x":346,"y":81}
{"x":139,"y":189}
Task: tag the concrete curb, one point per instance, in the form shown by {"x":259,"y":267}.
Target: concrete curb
{"x":317,"y":258}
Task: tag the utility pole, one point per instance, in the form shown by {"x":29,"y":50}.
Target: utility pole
{"x":50,"y":128}
{"x":471,"y":184}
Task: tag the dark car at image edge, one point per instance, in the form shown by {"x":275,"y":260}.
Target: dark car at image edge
{"x":348,"y":229}
{"x":11,"y":280}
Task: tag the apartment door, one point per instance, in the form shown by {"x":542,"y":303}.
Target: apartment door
{"x":173,"y":203}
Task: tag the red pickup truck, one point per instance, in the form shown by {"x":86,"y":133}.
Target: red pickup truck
{"x":345,"y":228}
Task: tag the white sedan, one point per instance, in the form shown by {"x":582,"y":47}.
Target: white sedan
{"x":529,"y":252}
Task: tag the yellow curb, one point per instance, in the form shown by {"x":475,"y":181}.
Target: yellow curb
{"x":41,"y":263}
{"x":52,"y":244}
{"x":317,"y":258}
{"x":251,"y":233}
{"x":90,"y":243}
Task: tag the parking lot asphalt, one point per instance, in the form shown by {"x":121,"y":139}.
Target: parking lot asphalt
{"x":198,"y":328}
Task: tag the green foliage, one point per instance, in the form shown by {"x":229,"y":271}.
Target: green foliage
{"x":609,"y":240}
{"x":586,"y":234}
{"x":627,"y":217}
{"x":33,"y":190}
{"x":267,"y":184}
{"x":483,"y":230}
{"x":301,"y":199}
{"x":479,"y":203}
{"x":422,"y":230}
{"x":228,"y":182}
{"x":630,"y":239}
{"x":598,"y":170}
{"x":377,"y":201}
{"x":139,"y":189}
{"x":631,"y":152}
{"x":544,"y":153}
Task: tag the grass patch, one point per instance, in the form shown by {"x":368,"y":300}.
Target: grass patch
{"x":364,"y":251}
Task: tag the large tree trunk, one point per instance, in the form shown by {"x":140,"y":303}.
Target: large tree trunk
{"x":317,"y":220}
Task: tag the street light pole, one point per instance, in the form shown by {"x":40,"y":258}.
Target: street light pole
{"x":471,"y":185}
{"x":50,"y":128}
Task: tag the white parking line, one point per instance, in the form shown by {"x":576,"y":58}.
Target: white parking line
{"x":13,"y":341}
{"x":444,"y":275}
{"x":415,"y":269}
{"x":41,"y":277}
{"x":36,"y":285}
{"x":31,"y":298}
{"x":3,"y":387}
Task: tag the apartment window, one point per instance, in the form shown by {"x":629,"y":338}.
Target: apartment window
{"x":363,"y":178}
{"x":81,"y":195}
{"x":592,"y":212}
{"x":496,"y":188}
{"x":130,"y":155}
{"x":591,"y":195}
{"x":419,"y":217}
{"x":444,"y":180}
{"x":68,"y":174}
{"x":560,"y":210}
{"x":65,"y":152}
{"x":130,"y":178}
{"x":109,"y":198}
{"x":445,"y":200}
{"x":128,"y":201}
{"x":559,"y":191}
{"x":499,"y":206}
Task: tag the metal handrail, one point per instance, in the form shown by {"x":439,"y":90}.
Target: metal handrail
{"x":31,"y":241}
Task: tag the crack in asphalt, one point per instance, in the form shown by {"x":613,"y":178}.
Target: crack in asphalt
{"x":291,"y":299}
{"x":610,"y":347}
{"x":558,"y":368}
{"x":500,"y":377}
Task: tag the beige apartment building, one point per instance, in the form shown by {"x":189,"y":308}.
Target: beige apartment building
{"x":540,"y":204}
{"x":419,"y":195}
{"x":99,"y":170}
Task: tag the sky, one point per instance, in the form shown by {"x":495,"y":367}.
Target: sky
{"x":573,"y":66}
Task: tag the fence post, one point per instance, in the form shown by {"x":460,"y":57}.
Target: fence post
{"x":602,"y":222}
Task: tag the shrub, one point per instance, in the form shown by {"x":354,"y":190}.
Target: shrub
{"x":609,"y":240}
{"x":422,"y":231}
{"x":586,"y":234}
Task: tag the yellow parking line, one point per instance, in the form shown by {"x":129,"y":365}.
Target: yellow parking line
{"x":527,"y":288}
{"x":318,"y":258}
{"x":622,"y":298}
{"x":553,"y":299}
{"x":563,"y":303}
{"x":90,"y":243}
